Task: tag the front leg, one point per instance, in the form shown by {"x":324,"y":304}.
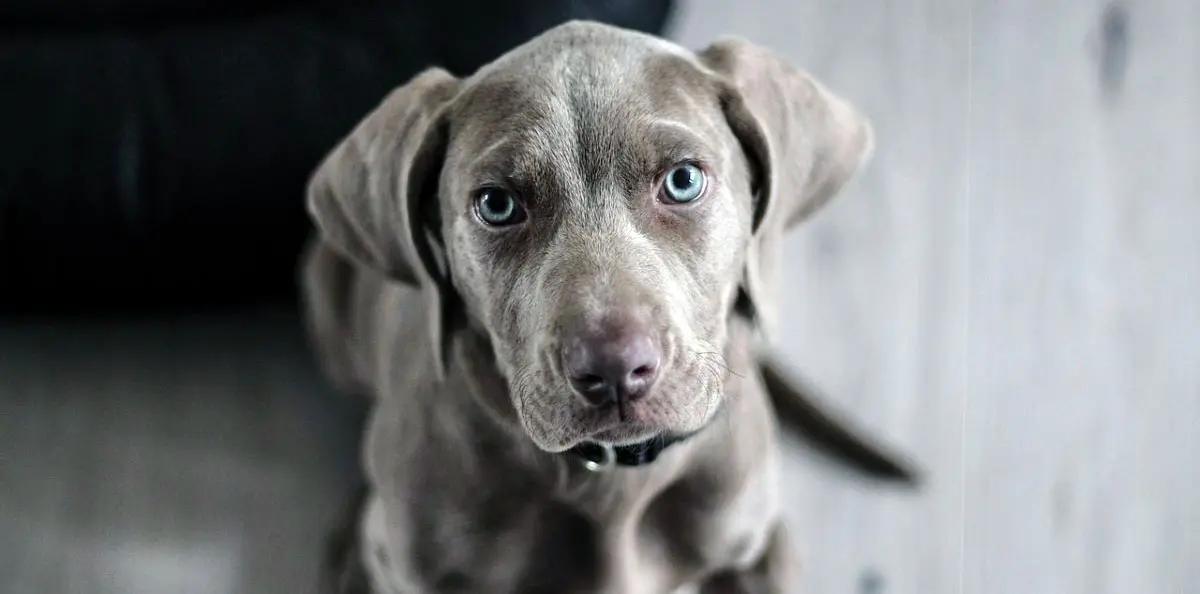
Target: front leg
{"x":342,"y":570}
{"x":773,"y":573}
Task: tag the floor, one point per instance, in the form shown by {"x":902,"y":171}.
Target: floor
{"x":1010,"y":292}
{"x":187,"y":456}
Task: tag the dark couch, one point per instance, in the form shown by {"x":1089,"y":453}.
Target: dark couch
{"x":153,"y":153}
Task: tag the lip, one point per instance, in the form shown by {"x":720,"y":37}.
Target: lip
{"x":624,"y":434}
{"x":606,"y":427}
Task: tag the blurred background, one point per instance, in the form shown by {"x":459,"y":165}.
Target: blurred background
{"x":1010,"y":292}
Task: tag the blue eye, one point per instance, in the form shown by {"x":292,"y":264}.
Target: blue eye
{"x":498,"y":207}
{"x":684,"y":183}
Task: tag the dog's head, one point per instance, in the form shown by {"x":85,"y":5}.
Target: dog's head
{"x":597,"y":202}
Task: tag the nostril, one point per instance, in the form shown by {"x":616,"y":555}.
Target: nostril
{"x":644,"y":372}
{"x":589,"y":382}
{"x":596,"y":390}
{"x":638,"y":382}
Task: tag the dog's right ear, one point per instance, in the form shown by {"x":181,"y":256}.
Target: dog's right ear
{"x":373,"y":195}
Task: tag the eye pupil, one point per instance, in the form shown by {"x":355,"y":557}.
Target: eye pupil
{"x":682,"y":178}
{"x":496,"y":203}
{"x":684,"y":183}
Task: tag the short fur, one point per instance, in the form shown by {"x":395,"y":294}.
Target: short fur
{"x":454,"y":328}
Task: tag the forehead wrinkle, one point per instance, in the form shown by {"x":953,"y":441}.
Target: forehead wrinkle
{"x":495,"y":156}
{"x":521,"y":135}
{"x":572,"y":134}
{"x":670,"y":124}
{"x":679,"y":132}
{"x":676,"y":139}
{"x":594,"y":150}
{"x":548,"y":150}
{"x":591,"y":144}
{"x":604,"y":84}
{"x":610,"y":146}
{"x":623,"y":136}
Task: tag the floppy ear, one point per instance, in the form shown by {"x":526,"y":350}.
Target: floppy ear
{"x":802,"y":141}
{"x":374,"y":196}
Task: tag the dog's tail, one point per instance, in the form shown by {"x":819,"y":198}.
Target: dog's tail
{"x":799,"y":410}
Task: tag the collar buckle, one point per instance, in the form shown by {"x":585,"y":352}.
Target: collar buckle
{"x":599,"y":457}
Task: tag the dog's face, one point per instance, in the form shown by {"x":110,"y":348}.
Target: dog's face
{"x":596,"y":213}
{"x":598,"y":200}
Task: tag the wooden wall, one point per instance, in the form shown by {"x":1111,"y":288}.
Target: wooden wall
{"x":1011,"y":291}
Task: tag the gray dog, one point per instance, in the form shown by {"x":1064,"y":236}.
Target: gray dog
{"x":548,"y":276}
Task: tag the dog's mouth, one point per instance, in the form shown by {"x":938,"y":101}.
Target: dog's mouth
{"x":630,"y":446}
{"x":558,"y":417}
{"x":629,"y":424}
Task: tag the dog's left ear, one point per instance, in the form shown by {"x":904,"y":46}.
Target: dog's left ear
{"x":802,"y":141}
{"x":375,"y":196}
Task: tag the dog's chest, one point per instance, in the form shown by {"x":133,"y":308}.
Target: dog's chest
{"x":591,"y":544}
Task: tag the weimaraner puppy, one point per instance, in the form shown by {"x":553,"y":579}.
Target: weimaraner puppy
{"x":550,"y":278}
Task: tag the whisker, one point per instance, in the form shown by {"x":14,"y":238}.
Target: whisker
{"x":719,"y":358}
{"x":716,"y":365}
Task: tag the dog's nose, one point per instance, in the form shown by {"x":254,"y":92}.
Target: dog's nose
{"x":612,"y":367}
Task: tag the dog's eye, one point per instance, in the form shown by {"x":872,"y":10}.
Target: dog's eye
{"x":684,"y":183}
{"x":498,"y":207}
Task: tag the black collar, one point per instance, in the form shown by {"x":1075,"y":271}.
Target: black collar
{"x":599,"y":457}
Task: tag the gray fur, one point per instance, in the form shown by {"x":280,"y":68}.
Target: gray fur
{"x":453,"y":328}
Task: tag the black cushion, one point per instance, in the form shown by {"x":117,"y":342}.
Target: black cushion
{"x":154,"y":154}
